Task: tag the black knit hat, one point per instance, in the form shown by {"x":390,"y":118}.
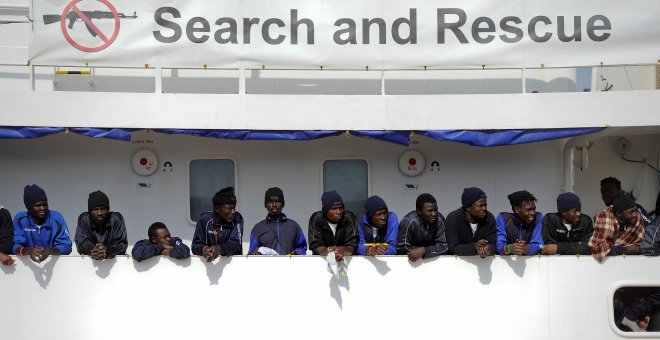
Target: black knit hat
{"x":98,"y":199}
{"x":330,"y":199}
{"x":224,"y":196}
{"x":32,"y":194}
{"x":622,"y":203}
{"x":471,"y":195}
{"x":567,"y":201}
{"x":274,"y":194}
{"x":373,"y":204}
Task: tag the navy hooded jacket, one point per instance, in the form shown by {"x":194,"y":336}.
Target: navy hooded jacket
{"x":144,"y":249}
{"x":209,"y":231}
{"x":279,"y":233}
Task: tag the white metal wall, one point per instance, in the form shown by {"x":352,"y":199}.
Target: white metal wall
{"x":557,"y":297}
{"x":69,"y":167}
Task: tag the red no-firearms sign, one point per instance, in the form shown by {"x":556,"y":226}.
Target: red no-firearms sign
{"x":106,"y":41}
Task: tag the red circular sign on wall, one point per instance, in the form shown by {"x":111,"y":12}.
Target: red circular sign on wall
{"x":106,"y":41}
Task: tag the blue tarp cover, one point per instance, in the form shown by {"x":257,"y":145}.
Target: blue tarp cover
{"x":254,"y":134}
{"x":504,"y":137}
{"x":34,"y":132}
{"x":471,"y":137}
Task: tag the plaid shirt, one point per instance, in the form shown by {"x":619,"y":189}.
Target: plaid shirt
{"x":608,"y":234}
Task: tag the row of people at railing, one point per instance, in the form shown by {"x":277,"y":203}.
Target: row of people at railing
{"x":422,"y":233}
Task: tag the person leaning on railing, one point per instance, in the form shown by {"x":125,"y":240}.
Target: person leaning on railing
{"x":568,"y":231}
{"x":6,"y":237}
{"x":40,"y":232}
{"x":519,"y":233}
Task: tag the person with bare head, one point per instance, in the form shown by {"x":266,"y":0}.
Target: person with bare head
{"x":160,"y":242}
{"x":101,"y":233}
{"x":618,"y":229}
{"x":219,"y":232}
{"x":422,"y":231}
{"x":568,"y":231}
{"x":471,"y":228}
{"x":40,"y":232}
{"x":609,"y":187}
{"x":519,"y":232}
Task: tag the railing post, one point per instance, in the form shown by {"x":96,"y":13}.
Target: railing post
{"x":241,"y":80}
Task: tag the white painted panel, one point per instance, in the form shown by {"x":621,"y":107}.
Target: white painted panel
{"x":69,"y":167}
{"x":312,"y":112}
{"x":283,"y":298}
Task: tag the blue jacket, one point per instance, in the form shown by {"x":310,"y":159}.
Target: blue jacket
{"x":209,"y":231}
{"x":144,"y":249}
{"x":387,"y":234}
{"x":279,"y":233}
{"x":510,"y":229}
{"x":53,"y":233}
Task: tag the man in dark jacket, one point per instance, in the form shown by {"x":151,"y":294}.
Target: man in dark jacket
{"x":160,"y":243}
{"x":219,"y":232}
{"x":568,"y":231}
{"x":471,"y":228}
{"x":277,"y":234}
{"x":332,"y":228}
{"x":6,"y":237}
{"x":422,"y":231}
{"x":100,"y":232}
{"x":519,"y":233}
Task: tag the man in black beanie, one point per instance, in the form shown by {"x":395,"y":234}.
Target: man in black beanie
{"x":471,"y":228}
{"x":39,"y":232}
{"x":219,"y":231}
{"x":332,"y":228}
{"x":277,"y":234}
{"x":377,"y":229}
{"x":101,"y":233}
{"x":422,"y":231}
{"x":618,"y":229}
{"x":568,"y":231}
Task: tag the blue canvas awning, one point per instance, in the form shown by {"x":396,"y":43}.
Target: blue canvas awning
{"x":35,"y":132}
{"x":504,"y":137}
{"x":471,"y":137}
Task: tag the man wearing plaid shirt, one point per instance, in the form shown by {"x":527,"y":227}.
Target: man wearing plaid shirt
{"x":618,"y":229}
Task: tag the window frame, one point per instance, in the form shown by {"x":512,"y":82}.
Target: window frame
{"x":345,"y":158}
{"x":610,"y":309}
{"x":190,"y":160}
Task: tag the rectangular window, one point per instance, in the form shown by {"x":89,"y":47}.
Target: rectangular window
{"x":641,"y":306}
{"x":350,"y":178}
{"x":207,"y":176}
